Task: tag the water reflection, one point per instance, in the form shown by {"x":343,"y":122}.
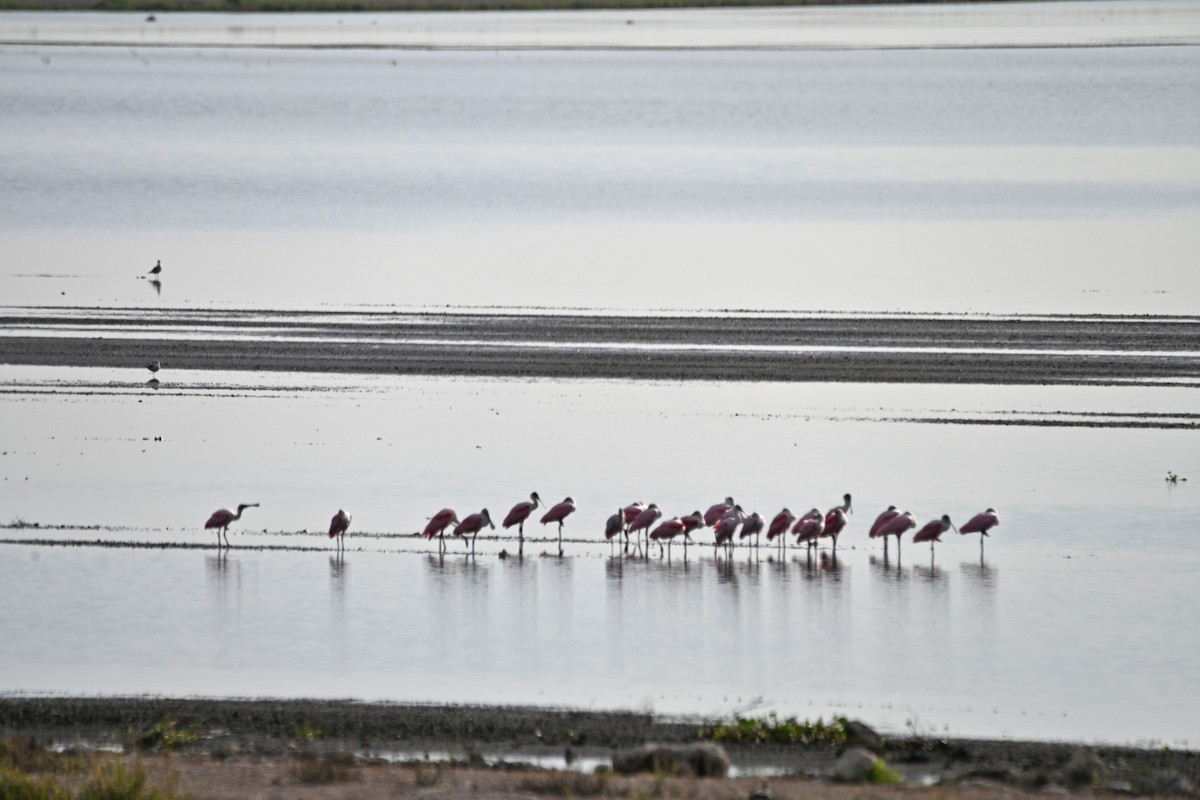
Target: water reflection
{"x":980,"y":576}
{"x":156,"y":284}
{"x":338,"y":577}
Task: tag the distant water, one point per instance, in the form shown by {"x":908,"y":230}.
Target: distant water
{"x":980,"y":180}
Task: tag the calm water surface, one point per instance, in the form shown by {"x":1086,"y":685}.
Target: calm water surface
{"x":1049,"y":180}
{"x":1087,"y":585}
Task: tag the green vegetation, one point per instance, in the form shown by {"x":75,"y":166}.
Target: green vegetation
{"x":28,"y":771}
{"x":882,"y":774}
{"x":346,"y":6}
{"x":772,"y":730}
{"x":166,"y":734}
{"x":305,"y":732}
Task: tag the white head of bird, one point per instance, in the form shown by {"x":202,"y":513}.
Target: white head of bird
{"x":487,"y":518}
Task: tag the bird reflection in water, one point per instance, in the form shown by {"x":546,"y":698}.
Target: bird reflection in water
{"x":979,"y":575}
{"x":930,"y":574}
{"x":153,"y":384}
{"x":157,"y":284}
{"x":338,"y":576}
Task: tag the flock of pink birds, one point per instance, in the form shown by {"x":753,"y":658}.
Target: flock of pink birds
{"x":638,"y":519}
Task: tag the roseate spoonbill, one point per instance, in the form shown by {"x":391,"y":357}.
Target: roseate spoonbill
{"x":154,"y":366}
{"x":883,"y":519}
{"x":221,"y":520}
{"x":613,"y":528}
{"x":157,"y":269}
{"x":981,"y":524}
{"x":667,"y":530}
{"x":520,"y":512}
{"x":643,"y":521}
{"x":338,"y":526}
{"x":725,"y":527}
{"x":557,"y":514}
{"x":692,"y":521}
{"x":836,"y":520}
{"x":780,"y":525}
{"x":437,"y":526}
{"x":897,"y":526}
{"x":932,"y":532}
{"x":810,"y":528}
{"x":472,"y":525}
{"x":716,"y":512}
{"x":629,"y":514}
{"x":753,"y":526}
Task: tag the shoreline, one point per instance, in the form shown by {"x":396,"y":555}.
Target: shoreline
{"x":503,"y":738}
{"x":881,"y":349}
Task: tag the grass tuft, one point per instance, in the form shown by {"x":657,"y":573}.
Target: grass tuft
{"x":166,"y":734}
{"x":772,"y":730}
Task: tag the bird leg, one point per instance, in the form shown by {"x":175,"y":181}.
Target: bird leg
{"x":521,"y":538}
{"x":560,"y":550}
{"x":473,"y":544}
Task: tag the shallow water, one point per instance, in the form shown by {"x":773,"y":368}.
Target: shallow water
{"x":1088,"y":581}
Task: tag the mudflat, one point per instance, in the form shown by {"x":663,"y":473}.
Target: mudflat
{"x":738,"y":347}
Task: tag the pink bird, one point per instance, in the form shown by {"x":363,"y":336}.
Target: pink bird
{"x":629,"y":514}
{"x":692,"y":522}
{"x":753,"y":526}
{"x":725,"y":527}
{"x":810,"y":528}
{"x":338,"y":526}
{"x":557,"y":514}
{"x":222,"y":519}
{"x":897,"y":526}
{"x":669,"y":530}
{"x":473,"y":525}
{"x":981,"y":524}
{"x":884,"y":518}
{"x":614,"y":527}
{"x":644,"y":520}
{"x":836,"y":519}
{"x":716,"y":512}
{"x":520,"y":512}
{"x":780,"y":524}
{"x":932,"y":532}
{"x":437,"y":526}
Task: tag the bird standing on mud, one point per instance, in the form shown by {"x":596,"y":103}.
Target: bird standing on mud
{"x":338,"y":526}
{"x":221,"y":520}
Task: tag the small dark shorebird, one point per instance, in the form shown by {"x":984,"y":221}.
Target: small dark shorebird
{"x":157,"y":268}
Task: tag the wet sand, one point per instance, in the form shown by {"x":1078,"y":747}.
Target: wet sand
{"x":869,"y":348}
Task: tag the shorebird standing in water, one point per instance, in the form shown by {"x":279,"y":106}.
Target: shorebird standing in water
{"x":157,"y":268}
{"x":221,"y":520}
{"x":154,"y":366}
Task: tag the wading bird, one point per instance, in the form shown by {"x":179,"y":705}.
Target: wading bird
{"x":780,"y":525}
{"x":692,"y":521}
{"x":222,"y":519}
{"x":981,"y":524}
{"x":157,"y":270}
{"x":437,"y":526}
{"x":472,"y":525}
{"x":669,"y":530}
{"x":338,"y":526}
{"x":725,"y":527}
{"x":643,"y":521}
{"x":557,"y":514}
{"x":932,"y":532}
{"x":613,"y":528}
{"x":629,"y":514}
{"x":810,"y":528}
{"x":836,"y":519}
{"x":520,"y":512}
{"x":897,"y":526}
{"x":883,"y":519}
{"x":716,"y":512}
{"x":753,"y":526}
{"x":154,"y":366}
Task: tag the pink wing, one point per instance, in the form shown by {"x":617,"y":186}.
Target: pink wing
{"x":219,"y":519}
{"x":520,"y":512}
{"x":932,"y":530}
{"x":981,"y":523}
{"x":471,"y":524}
{"x":558,"y":513}
{"x":883,"y":519}
{"x":631,"y":511}
{"x":439,"y":522}
{"x":714,"y":514}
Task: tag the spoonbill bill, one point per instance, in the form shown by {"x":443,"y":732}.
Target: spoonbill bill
{"x":932,"y":532}
{"x":472,"y":525}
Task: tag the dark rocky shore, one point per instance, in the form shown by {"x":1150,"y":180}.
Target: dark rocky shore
{"x":281,"y":728}
{"x":871,"y":348}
